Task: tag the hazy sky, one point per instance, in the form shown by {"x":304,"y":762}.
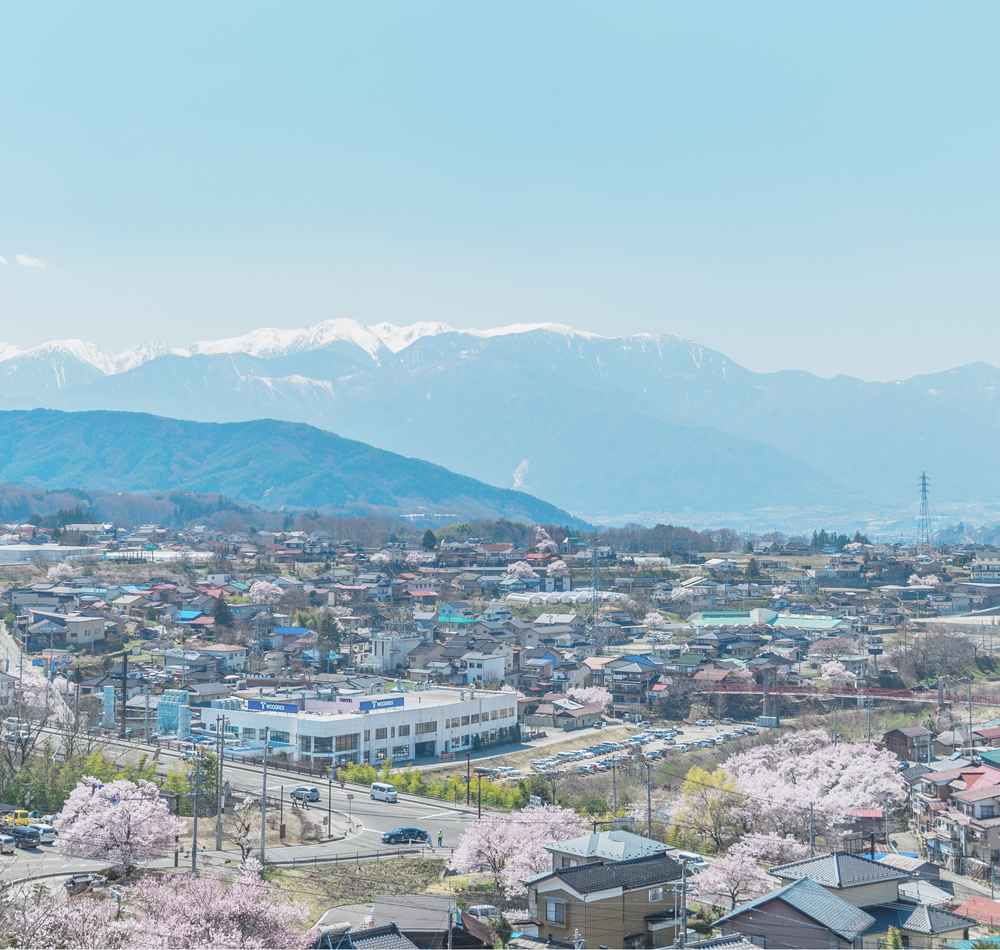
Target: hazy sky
{"x":798,"y":185}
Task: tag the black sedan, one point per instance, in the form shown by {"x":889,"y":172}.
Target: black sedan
{"x":404,"y":836}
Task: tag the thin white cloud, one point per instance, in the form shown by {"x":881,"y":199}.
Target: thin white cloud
{"x":26,"y":261}
{"x":3,"y":260}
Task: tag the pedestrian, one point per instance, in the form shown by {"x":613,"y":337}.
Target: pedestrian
{"x":440,"y":838}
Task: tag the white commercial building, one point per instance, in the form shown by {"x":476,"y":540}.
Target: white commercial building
{"x":400,"y":726}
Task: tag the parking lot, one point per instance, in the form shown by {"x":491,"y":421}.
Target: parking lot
{"x":648,"y":745}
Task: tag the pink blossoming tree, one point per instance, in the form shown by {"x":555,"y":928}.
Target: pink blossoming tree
{"x":521,"y":571}
{"x":591,"y":696}
{"x":60,"y":571}
{"x":209,"y":911}
{"x":511,"y":847}
{"x":557,"y":569}
{"x":734,"y":876}
{"x":264,"y":592}
{"x":124,"y":822}
{"x":835,"y":673}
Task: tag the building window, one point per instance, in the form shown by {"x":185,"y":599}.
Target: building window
{"x":465,"y":720}
{"x":465,"y":739}
{"x":424,"y":727}
{"x":495,"y":714}
{"x":475,"y":717}
{"x":305,"y":743}
{"x":278,"y":736}
{"x":249,"y":733}
{"x":381,"y":733}
{"x":400,"y":751}
{"x":323,"y":744}
{"x":404,"y":731}
{"x":555,"y":912}
{"x":347,"y":743}
{"x":381,"y":754}
{"x":656,"y":894}
{"x":368,"y":735}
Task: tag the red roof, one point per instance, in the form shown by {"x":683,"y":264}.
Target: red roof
{"x":983,"y":909}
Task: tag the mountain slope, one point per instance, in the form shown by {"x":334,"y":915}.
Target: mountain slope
{"x":265,"y":462}
{"x":607,"y":427}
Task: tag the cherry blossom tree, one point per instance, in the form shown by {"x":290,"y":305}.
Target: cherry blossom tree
{"x":40,"y":918}
{"x":781,"y":590}
{"x":511,"y":847}
{"x":781,"y":779}
{"x":654,"y":620}
{"x":591,"y":696}
{"x":771,"y":849}
{"x":734,"y":876}
{"x":543,"y":541}
{"x":264,"y":592}
{"x":557,"y":569}
{"x":681,"y":594}
{"x":60,"y":571}
{"x":380,"y":558}
{"x":521,"y":571}
{"x":208,"y":911}
{"x":125,"y":822}
{"x":835,"y":673}
{"x":414,"y":559}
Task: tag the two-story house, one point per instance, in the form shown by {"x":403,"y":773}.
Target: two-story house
{"x":624,"y":904}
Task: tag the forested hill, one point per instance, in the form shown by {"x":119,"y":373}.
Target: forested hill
{"x":263,"y":462}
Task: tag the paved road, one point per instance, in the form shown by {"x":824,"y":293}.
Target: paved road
{"x":363,"y":820}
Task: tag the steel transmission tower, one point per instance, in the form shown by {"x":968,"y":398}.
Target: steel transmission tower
{"x":595,"y":586}
{"x":924,"y":520}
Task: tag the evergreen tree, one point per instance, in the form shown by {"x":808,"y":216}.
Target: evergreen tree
{"x":429,"y":540}
{"x":221,"y":612}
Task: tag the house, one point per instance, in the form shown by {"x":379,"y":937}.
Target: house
{"x":232,"y":656}
{"x":857,"y":880}
{"x":7,"y":687}
{"x":621,"y":904}
{"x":909,"y":742}
{"x":427,"y":920}
{"x":604,"y":848}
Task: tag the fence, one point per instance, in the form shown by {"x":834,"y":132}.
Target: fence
{"x":356,"y":858}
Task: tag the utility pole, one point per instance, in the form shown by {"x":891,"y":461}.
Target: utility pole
{"x":835,"y":723}
{"x":194,"y":840}
{"x":468,"y":776}
{"x":887,"y":821}
{"x":684,"y":901}
{"x":263,"y":796}
{"x":479,"y":797}
{"x":614,"y":787}
{"x":649,"y":804}
{"x":221,"y":739}
{"x":811,"y":835}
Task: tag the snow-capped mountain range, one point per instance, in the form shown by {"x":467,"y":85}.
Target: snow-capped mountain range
{"x":611,"y":428}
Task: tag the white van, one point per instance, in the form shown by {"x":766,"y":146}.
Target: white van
{"x":47,"y":832}
{"x":7,"y":844}
{"x":384,"y":793}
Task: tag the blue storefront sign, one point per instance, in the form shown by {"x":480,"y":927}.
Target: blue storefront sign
{"x":383,"y":702}
{"x":263,"y":706}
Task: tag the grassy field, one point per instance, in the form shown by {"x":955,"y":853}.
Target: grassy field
{"x":326,"y":887}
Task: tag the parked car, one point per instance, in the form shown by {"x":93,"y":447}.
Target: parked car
{"x":706,"y":722}
{"x":692,"y":859}
{"x":47,"y":832}
{"x":24,"y":837}
{"x":404,"y":836}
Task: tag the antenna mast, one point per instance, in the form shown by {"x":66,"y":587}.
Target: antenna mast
{"x":595,"y":585}
{"x":924,"y":520}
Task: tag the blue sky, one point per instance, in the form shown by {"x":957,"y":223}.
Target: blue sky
{"x":798,"y":185}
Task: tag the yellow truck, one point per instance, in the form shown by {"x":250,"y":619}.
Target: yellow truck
{"x":17,"y":817}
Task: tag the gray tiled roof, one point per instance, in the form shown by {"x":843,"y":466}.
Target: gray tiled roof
{"x":919,"y":918}
{"x":616,"y":845}
{"x":378,"y":938}
{"x":637,"y":872}
{"x":914,"y":772}
{"x":840,"y":869}
{"x":808,"y":898}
